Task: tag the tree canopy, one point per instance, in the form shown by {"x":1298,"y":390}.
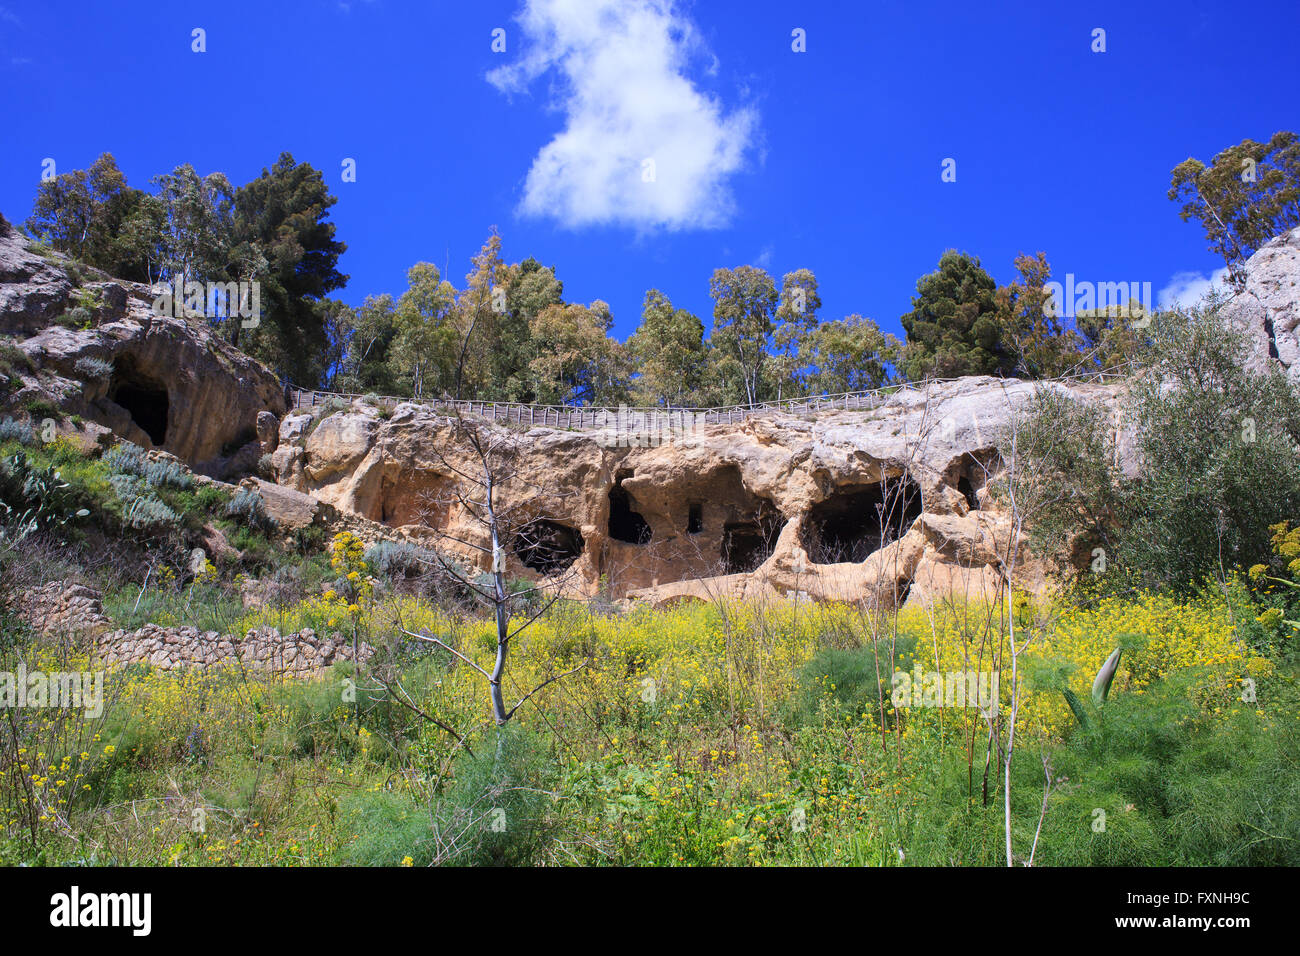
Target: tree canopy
{"x":509,"y":334}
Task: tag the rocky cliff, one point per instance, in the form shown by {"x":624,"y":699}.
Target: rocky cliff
{"x":852,"y":505}
{"x":157,"y":381}
{"x":878,"y":505}
{"x":1268,"y":307}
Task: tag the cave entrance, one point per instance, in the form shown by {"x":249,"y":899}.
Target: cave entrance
{"x":625,"y":524}
{"x":858,"y":520}
{"x":547,"y":546}
{"x":973,"y":471}
{"x":695,"y":518}
{"x":968,"y":492}
{"x":144,"y":399}
{"x":748,"y":542}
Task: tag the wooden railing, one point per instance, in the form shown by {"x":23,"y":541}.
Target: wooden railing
{"x":573,"y":417}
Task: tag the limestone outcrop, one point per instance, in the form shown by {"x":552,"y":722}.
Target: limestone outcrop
{"x":34,"y":289}
{"x":157,"y":381}
{"x":1268,"y":308}
{"x":852,"y":505}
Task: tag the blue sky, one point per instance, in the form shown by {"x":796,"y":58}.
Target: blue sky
{"x":828,"y":159}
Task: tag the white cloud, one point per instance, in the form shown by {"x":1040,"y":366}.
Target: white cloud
{"x":631,"y":113}
{"x":1188,"y":288}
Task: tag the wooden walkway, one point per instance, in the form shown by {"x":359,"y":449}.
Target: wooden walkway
{"x":591,"y":417}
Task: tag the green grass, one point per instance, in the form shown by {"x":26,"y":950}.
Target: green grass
{"x":294,"y":772}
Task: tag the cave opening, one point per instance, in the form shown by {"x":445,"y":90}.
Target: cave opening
{"x":748,"y":542}
{"x":547,"y":546}
{"x":973,"y":472}
{"x":968,"y":492}
{"x":143,"y":398}
{"x":695,"y":518}
{"x":625,"y":524}
{"x":856,"y":521}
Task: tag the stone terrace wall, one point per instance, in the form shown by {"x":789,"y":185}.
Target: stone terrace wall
{"x":261,"y":649}
{"x":76,"y":610}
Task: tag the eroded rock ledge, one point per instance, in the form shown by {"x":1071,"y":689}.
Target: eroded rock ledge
{"x":160,"y":382}
{"x":874,"y":506}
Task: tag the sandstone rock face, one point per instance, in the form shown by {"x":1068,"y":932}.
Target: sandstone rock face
{"x":268,"y":431}
{"x":1268,"y":309}
{"x":33,"y":289}
{"x":292,"y":510}
{"x":339,"y":443}
{"x":174,"y":384}
{"x":852,"y":505}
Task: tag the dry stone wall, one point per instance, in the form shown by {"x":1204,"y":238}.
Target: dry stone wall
{"x":74,"y":610}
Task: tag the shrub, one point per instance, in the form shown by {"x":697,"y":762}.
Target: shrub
{"x":40,"y":408}
{"x":852,"y":681}
{"x":211,"y":498}
{"x":384,"y":829}
{"x":1215,"y":442}
{"x":36,"y":495}
{"x":148,"y":513}
{"x":495,"y":812}
{"x":166,"y":473}
{"x":94,"y":369}
{"x":309,"y":540}
{"x":89,"y":299}
{"x":126,"y":459}
{"x":393,"y":558}
{"x":128,"y":487}
{"x":12,"y":430}
{"x":248,"y":507}
{"x":13,"y":359}
{"x":75,"y":318}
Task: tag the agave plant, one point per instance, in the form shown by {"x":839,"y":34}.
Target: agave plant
{"x":1105,"y":677}
{"x":1100,"y":689}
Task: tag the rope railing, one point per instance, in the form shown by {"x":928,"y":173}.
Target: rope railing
{"x":586,"y":416}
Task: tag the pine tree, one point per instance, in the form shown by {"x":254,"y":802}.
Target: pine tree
{"x":953,"y":327}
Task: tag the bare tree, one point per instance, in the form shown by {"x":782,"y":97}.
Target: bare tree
{"x":520,"y":527}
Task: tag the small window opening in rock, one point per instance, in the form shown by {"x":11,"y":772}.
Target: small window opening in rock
{"x":547,"y":546}
{"x":143,"y":399}
{"x":964,"y":486}
{"x":695,"y":518}
{"x":856,"y":521}
{"x":746,"y":544}
{"x":624,"y":523}
{"x":902,"y":588}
